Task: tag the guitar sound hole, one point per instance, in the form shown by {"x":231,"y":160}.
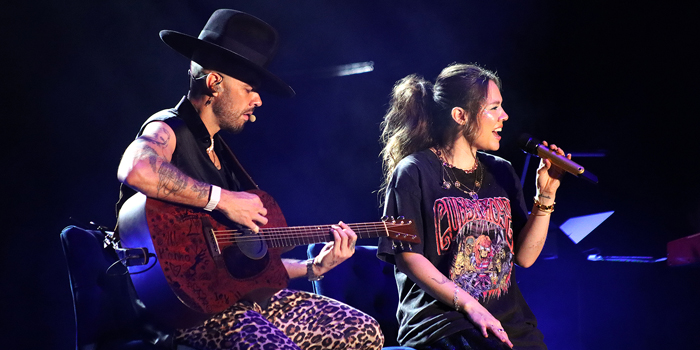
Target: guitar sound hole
{"x":240,"y":266}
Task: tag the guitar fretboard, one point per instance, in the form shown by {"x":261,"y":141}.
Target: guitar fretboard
{"x":278,"y":237}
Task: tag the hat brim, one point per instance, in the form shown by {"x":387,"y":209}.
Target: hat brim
{"x":187,"y":45}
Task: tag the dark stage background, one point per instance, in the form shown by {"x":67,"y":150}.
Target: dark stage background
{"x":80,"y":77}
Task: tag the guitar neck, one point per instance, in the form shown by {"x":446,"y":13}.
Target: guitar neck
{"x":280,"y":237}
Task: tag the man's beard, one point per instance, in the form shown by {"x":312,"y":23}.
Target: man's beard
{"x":230,"y":119}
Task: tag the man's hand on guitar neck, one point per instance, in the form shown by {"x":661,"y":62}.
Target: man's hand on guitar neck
{"x":332,"y":254}
{"x":244,"y":208}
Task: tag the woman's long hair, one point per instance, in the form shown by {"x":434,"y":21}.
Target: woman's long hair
{"x":420,"y":113}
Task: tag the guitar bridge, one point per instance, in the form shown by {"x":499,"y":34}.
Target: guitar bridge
{"x":210,"y":238}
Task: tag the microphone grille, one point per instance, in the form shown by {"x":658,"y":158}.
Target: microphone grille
{"x":528,"y":143}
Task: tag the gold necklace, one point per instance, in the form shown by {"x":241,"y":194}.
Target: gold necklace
{"x":448,"y":164}
{"x":446,"y":169}
{"x":472,"y":192}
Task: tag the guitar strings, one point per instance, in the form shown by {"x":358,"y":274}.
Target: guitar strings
{"x":288,"y":236}
{"x":286,"y":233}
{"x":358,"y":225}
{"x":354,"y":227}
{"x":306,"y":232}
{"x":316,"y":229}
{"x":233,"y":233}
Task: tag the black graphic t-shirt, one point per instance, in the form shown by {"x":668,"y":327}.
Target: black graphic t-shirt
{"x":471,"y":241}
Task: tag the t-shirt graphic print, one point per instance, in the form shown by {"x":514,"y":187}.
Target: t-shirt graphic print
{"x":478,"y":233}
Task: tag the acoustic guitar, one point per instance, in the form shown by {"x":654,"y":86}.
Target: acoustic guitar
{"x":187,"y":264}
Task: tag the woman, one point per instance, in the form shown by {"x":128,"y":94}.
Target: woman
{"x":457,"y":288}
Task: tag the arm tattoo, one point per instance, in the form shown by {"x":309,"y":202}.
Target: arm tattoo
{"x":201,"y":189}
{"x":161,"y":138}
{"x":152,"y":156}
{"x":442,"y":281}
{"x":170,"y":180}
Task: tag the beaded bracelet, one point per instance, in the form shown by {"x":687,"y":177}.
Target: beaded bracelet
{"x":544,"y":208}
{"x":455,"y":298}
{"x":310,"y":275}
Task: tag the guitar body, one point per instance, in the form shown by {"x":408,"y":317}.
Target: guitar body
{"x":195,"y":275}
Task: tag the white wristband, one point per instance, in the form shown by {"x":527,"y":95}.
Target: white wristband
{"x":214,"y":196}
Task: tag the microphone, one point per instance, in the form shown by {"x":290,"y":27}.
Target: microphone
{"x":252,"y":118}
{"x":534,"y":146}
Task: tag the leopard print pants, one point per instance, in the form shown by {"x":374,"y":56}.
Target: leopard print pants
{"x":294,"y":320}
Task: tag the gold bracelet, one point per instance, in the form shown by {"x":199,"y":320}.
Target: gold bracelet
{"x":544,"y":208}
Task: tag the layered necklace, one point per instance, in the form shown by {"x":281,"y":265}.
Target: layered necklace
{"x":449,"y":178}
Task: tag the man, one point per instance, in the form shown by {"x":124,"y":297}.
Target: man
{"x":179,"y":157}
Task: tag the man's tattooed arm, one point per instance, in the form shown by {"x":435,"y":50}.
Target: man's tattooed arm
{"x":146,"y":168}
{"x":201,"y":189}
{"x":152,"y":156}
{"x":170,"y":179}
{"x":161,"y":138}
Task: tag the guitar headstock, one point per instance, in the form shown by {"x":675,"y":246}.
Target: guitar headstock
{"x":400,"y":229}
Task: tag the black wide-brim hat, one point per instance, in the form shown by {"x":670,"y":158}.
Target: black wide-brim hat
{"x":234,"y":43}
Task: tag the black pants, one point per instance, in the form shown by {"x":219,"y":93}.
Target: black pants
{"x":468,"y":339}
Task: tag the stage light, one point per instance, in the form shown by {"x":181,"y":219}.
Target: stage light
{"x":352,"y":68}
{"x":334,"y":71}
